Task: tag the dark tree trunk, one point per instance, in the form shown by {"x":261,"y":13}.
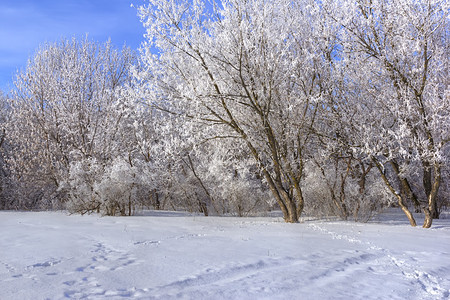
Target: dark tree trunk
{"x":400,"y":200}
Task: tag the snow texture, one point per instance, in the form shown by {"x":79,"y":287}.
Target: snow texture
{"x":170,"y":255}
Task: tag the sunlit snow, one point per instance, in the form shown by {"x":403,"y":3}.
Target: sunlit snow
{"x":168,"y":255}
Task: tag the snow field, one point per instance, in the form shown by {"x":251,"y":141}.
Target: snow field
{"x":167,"y":255}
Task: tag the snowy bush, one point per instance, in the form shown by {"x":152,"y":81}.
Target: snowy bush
{"x":80,"y":186}
{"x":237,"y":185}
{"x":117,"y":189}
{"x":339,"y":188}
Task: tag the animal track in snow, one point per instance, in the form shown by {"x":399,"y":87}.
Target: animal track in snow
{"x":146,"y":243}
{"x":158,"y":242}
{"x":104,"y":259}
{"x":429,"y":283}
{"x":45,"y":264}
{"x":8,"y":267}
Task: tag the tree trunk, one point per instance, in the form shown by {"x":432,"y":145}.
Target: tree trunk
{"x":432,"y":197}
{"x":286,"y":203}
{"x":435,"y":212}
{"x":292,"y":208}
{"x":208,"y":194}
{"x":129,"y":206}
{"x":301,"y":201}
{"x":406,"y":186}
{"x":290,"y":212}
{"x":408,"y":214}
{"x":428,"y":186}
{"x":203,"y":208}
{"x":400,"y":201}
{"x":428,"y":218}
{"x":155,"y":199}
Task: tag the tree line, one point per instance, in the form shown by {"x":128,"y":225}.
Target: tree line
{"x":239,"y":107}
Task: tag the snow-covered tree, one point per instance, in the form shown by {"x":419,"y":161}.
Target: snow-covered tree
{"x":396,"y":59}
{"x":66,"y":109}
{"x":194,"y":173}
{"x":335,"y":107}
{"x":4,"y":203}
{"x":252,"y":70}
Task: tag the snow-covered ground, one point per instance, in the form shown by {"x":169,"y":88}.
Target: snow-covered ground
{"x":168,"y":255}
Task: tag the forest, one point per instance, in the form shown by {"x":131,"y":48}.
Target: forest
{"x":239,"y":107}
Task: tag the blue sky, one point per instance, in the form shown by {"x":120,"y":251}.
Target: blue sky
{"x":26,"y":24}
